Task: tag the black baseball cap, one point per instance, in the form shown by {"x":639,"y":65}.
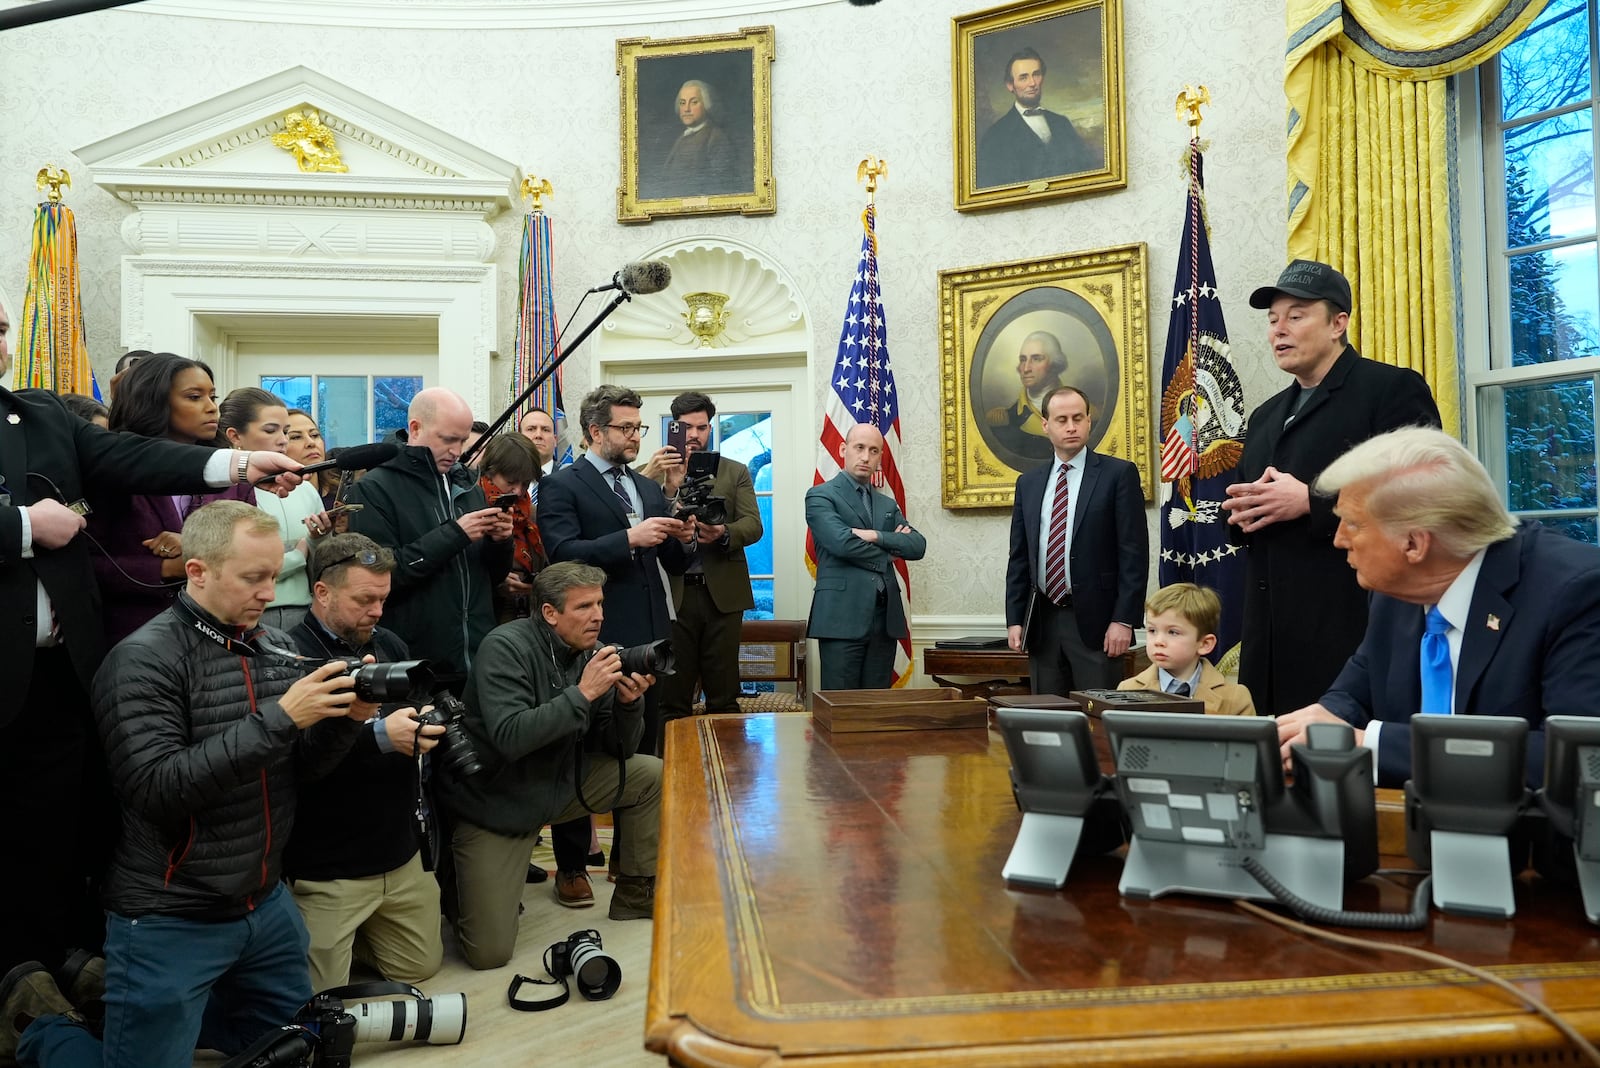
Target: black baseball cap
{"x":1308,"y":280}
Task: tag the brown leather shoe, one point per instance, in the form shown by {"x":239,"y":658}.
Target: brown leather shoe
{"x":28,"y":992}
{"x":573,"y":889}
{"x":634,"y":898}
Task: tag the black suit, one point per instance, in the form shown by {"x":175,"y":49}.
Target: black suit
{"x":582,"y":518}
{"x":1304,"y":614}
{"x":51,"y":818}
{"x":1011,"y":152}
{"x":1108,"y":564}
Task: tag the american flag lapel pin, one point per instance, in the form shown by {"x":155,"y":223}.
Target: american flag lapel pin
{"x":1494,"y":621}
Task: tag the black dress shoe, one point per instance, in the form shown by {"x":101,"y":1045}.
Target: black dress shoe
{"x":597,"y":860}
{"x":537,"y":874}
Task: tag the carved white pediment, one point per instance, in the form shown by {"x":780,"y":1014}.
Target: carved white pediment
{"x":762,"y":300}
{"x":220,"y":151}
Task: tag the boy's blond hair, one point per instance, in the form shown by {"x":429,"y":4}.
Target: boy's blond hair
{"x":1199,"y":606}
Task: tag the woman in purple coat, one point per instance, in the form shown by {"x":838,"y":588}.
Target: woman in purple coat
{"x":138,"y":559}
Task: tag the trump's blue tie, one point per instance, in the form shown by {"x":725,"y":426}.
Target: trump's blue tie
{"x":1436,"y":664}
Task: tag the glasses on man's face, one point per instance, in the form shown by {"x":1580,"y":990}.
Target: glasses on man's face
{"x":629,"y":430}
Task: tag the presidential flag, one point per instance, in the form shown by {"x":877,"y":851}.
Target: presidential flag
{"x":1202,"y":427}
{"x":862,"y":391}
{"x":536,"y":346}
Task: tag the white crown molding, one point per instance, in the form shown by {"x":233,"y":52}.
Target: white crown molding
{"x":271,"y":231}
{"x":763,"y":300}
{"x":185,"y":155}
{"x":189,"y":267}
{"x":470,"y":14}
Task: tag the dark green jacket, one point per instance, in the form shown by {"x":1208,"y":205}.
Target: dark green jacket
{"x":440,"y":601}
{"x":527,"y":718}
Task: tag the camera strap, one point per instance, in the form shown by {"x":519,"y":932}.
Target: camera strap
{"x":236,"y":646}
{"x":578,"y":765}
{"x":373,"y":990}
{"x":524,"y":1005}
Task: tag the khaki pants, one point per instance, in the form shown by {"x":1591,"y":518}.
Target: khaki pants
{"x":492,"y":869}
{"x":390,"y":921}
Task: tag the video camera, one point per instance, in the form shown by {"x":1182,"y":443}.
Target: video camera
{"x":695,"y":499}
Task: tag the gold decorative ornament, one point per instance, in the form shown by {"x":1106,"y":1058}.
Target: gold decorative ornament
{"x":536,"y":189}
{"x":311,"y":143}
{"x":870,"y":170}
{"x":706,"y":317}
{"x":53,"y":180}
{"x":1188,"y":107}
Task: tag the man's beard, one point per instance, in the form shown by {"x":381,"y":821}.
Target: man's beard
{"x":617,"y":454}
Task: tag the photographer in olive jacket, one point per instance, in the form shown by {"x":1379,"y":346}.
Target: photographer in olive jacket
{"x":543,"y":702}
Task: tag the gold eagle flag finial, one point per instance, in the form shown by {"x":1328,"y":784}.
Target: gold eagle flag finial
{"x":870,"y":170}
{"x":536,"y":189}
{"x":1188,"y":107}
{"x":53,"y":180}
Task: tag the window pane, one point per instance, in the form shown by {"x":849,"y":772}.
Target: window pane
{"x":764,"y":602}
{"x":391,"y":397}
{"x":1553,"y":305}
{"x":1550,"y":461}
{"x":1547,"y":66}
{"x":1550,"y":179}
{"x":342,"y":410}
{"x":759,"y":554}
{"x":293,"y":390}
{"x":1576,"y":529}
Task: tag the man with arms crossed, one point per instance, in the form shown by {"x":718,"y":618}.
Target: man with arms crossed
{"x":1471,"y":612}
{"x":205,"y":740}
{"x":1080,"y":556}
{"x":856,"y":614}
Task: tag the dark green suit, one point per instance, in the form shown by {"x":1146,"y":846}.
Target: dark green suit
{"x":855,"y":610}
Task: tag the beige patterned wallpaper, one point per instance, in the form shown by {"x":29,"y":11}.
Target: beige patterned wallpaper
{"x":847,"y":81}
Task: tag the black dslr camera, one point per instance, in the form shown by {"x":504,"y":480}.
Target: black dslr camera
{"x":399,"y":680}
{"x":652,"y":658}
{"x":695,"y":499}
{"x":581,"y":956}
{"x":455,"y":751}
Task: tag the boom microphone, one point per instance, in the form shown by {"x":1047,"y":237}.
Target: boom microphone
{"x":652,"y":276}
{"x":354,"y":458}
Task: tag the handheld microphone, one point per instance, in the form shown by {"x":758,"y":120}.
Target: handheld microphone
{"x":638,"y":279}
{"x":354,"y":458}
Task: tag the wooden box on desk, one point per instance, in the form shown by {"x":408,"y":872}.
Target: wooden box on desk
{"x":846,"y":711}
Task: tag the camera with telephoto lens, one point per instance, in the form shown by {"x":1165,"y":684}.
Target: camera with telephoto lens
{"x":581,"y":956}
{"x":325,"y":1030}
{"x":455,"y":751}
{"x":652,"y":658}
{"x":398,"y":680}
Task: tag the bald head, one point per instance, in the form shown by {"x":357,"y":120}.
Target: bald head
{"x":862,"y":452}
{"x":440,"y":420}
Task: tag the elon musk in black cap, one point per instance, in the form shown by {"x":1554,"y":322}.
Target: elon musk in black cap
{"x":1304,"y":613}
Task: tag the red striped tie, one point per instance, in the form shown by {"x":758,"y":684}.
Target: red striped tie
{"x":1055,"y":555}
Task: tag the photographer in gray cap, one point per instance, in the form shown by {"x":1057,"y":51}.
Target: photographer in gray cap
{"x":1304,"y":613}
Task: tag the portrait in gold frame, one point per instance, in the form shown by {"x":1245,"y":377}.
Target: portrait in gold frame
{"x":1086,"y":310}
{"x":1067,"y":58}
{"x":696,"y":125}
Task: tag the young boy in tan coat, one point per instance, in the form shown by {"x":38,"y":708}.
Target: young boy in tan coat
{"x":1180,"y":623}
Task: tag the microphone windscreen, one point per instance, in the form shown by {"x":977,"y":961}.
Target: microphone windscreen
{"x":651,"y":276}
{"x":363,"y":457}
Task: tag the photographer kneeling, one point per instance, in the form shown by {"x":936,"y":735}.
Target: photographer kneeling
{"x":354,"y":861}
{"x":544,"y":702}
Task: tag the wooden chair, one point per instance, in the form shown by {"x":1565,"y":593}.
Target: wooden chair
{"x":772,"y":650}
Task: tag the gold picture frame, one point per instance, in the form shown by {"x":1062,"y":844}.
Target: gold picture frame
{"x":1086,"y":311}
{"x":1067,"y":58}
{"x":696,"y":125}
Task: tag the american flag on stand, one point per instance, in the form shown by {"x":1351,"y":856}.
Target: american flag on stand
{"x":862,"y":391}
{"x":1203,"y":424}
{"x":536,"y":334}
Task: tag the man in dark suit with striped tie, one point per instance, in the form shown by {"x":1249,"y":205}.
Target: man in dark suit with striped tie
{"x":1074,"y":594}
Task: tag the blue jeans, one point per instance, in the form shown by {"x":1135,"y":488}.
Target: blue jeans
{"x":174,"y":984}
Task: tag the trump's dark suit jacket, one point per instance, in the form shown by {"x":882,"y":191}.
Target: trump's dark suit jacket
{"x":1530,"y":647}
{"x":1291,"y":653}
{"x":582,"y":518}
{"x":849,"y":569}
{"x":1108,"y":559}
{"x":40,"y":440}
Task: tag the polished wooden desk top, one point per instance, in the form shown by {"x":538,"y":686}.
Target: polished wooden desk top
{"x":837,"y":900}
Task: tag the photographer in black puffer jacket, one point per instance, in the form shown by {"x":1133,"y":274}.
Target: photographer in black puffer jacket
{"x":205,"y":741}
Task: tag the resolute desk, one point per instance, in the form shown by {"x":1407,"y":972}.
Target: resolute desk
{"x":831,"y":901}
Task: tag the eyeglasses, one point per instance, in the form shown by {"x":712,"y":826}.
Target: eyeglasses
{"x":629,"y":429}
{"x":364,"y":557}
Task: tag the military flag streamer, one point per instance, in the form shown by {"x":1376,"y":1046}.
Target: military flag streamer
{"x":52,"y":346}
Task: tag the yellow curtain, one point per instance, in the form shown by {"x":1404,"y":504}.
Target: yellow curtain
{"x":1370,"y":158}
